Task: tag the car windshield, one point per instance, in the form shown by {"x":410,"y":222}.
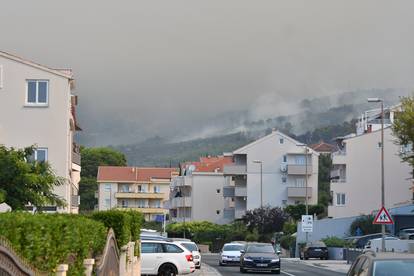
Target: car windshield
{"x":408,"y":230}
{"x":393,"y":267}
{"x":233,"y":247}
{"x":190,"y":246}
{"x":260,"y":248}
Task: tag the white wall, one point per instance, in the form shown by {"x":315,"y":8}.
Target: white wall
{"x":363,"y":176}
{"x":22,"y":126}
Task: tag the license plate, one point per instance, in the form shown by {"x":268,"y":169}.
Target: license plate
{"x":318,"y":249}
{"x":262,"y":265}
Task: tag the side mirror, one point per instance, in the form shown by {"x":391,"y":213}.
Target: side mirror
{"x":242,"y":251}
{"x":278,"y":252}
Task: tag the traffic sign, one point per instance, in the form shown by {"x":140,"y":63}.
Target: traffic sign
{"x":383,"y":217}
{"x":307,"y":223}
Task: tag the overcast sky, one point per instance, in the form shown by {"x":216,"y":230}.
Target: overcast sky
{"x":155,"y":63}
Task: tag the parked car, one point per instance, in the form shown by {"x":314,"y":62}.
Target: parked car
{"x":165,"y":258}
{"x":154,"y":237}
{"x":230,"y":253}
{"x":361,"y":241}
{"x":259,"y":257}
{"x":382,"y":264}
{"x":387,"y":238}
{"x":314,"y":250}
{"x":193,"y":248}
{"x":405,"y":233}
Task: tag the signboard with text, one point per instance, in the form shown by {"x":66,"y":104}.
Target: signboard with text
{"x":307,"y":223}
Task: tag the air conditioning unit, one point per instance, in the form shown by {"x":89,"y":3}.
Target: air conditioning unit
{"x":283,"y":167}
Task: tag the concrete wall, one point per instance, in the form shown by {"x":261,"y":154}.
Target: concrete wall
{"x":22,"y":126}
{"x":363,"y":176}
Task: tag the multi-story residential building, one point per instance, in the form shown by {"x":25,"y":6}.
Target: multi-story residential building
{"x":356,"y":173}
{"x":197,"y":195}
{"x":323,"y":148}
{"x":273,"y":170}
{"x":370,"y":120}
{"x":38,"y":108}
{"x":143,"y":189}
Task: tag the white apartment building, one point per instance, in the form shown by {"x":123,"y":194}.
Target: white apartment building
{"x":38,"y":108}
{"x":356,"y":173}
{"x":287,"y":166}
{"x":143,"y":189}
{"x":197,"y":195}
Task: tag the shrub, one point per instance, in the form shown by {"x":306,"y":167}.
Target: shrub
{"x":126,"y":224}
{"x":365,"y":224}
{"x":46,"y":240}
{"x":335,"y":242}
{"x":287,"y":242}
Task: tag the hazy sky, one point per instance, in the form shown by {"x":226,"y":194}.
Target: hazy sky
{"x":152,"y":64}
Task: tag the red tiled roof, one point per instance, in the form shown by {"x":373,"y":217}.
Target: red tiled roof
{"x":211,"y":164}
{"x":131,"y":174}
{"x":323,"y":147}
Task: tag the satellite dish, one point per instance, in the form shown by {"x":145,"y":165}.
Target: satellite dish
{"x":191,"y":168}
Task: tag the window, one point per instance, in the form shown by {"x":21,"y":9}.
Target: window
{"x":124,"y":188}
{"x":124,"y":203}
{"x":300,"y":182}
{"x":284,"y":158}
{"x":157,"y":189}
{"x":284,"y":179}
{"x":284,"y":202}
{"x":218,"y":212}
{"x":232,"y":199}
{"x":107,"y":187}
{"x":218,"y":191}
{"x":141,"y":189}
{"x":39,"y":155}
{"x":281,"y":141}
{"x":141,"y":203}
{"x":300,"y":160}
{"x":340,"y":199}
{"x":172,"y":248}
{"x":37,"y":92}
{"x":107,"y":203}
{"x":157,"y":203}
{"x":151,"y":248}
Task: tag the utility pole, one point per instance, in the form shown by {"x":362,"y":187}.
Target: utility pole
{"x":306,"y":186}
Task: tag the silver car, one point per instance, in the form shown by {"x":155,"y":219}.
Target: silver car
{"x":230,"y":254}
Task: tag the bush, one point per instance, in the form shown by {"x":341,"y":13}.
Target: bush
{"x":287,"y":242}
{"x":365,"y":224}
{"x":289,"y":228}
{"x":47,"y":240}
{"x":335,"y":242}
{"x":126,"y":224}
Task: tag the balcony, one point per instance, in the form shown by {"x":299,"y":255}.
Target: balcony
{"x":144,"y":210}
{"x":339,"y":157}
{"x":299,"y":192}
{"x":76,"y":157}
{"x":235,"y":169}
{"x":294,"y":169}
{"x":181,"y":181}
{"x":228,"y":191}
{"x":239,"y":213}
{"x":140,"y":195}
{"x":229,"y":213}
{"x":240,"y":191}
{"x":180,"y":202}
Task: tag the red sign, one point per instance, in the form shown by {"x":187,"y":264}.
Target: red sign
{"x":383,"y":217}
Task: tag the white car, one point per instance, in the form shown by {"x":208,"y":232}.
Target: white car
{"x":165,"y":258}
{"x":191,"y":246}
{"x":230,"y":254}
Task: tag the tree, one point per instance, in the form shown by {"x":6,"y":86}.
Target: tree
{"x":364,"y":223}
{"x":403,"y":129}
{"x":265,"y":220}
{"x":92,"y":158}
{"x":324,"y":187}
{"x":23,"y":182}
{"x":296,"y":211}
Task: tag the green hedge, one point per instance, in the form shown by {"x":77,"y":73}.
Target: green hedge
{"x":126,"y":224}
{"x":46,"y":240}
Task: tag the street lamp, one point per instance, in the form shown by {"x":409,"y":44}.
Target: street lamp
{"x":378,"y":100}
{"x":261,"y":180}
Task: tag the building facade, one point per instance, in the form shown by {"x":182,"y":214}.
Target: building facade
{"x":197,"y":195}
{"x":356,"y":175}
{"x":275,"y":170}
{"x":144,"y":189}
{"x":38,"y":108}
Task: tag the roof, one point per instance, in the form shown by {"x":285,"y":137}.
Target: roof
{"x":389,"y":255}
{"x":133,"y":174}
{"x":210,"y":164}
{"x":271,"y":135}
{"x":66,"y":73}
{"x":323,"y":147}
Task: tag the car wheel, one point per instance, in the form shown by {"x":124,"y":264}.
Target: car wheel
{"x":242,"y":270}
{"x":276,"y":271}
{"x":167,"y":270}
{"x":220,"y":263}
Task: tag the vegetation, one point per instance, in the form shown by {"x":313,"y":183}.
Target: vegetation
{"x":265,"y":220}
{"x":403,"y":129}
{"x":295,"y":212}
{"x":364,"y":223}
{"x":335,"y":242}
{"x":23,"y":181}
{"x":324,"y":178}
{"x":92,"y":158}
{"x":154,"y":225}
{"x":46,"y":240}
{"x":126,"y":224}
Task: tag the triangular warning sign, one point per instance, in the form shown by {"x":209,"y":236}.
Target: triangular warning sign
{"x":383,"y":217}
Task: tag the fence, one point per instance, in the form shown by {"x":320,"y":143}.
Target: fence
{"x":352,"y":254}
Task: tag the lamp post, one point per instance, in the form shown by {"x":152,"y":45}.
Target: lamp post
{"x":378,"y":100}
{"x":261,"y":180}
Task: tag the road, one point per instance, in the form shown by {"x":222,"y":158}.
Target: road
{"x":288,"y":268}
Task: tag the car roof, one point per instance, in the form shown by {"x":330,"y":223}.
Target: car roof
{"x":388,"y":255}
{"x":259,"y":243}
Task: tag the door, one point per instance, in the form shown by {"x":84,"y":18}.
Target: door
{"x":151,"y":254}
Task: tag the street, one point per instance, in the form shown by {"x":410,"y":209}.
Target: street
{"x":289,"y":268}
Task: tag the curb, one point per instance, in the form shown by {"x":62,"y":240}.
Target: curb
{"x":207,"y":270}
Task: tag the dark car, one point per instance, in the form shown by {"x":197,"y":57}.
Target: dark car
{"x":259,"y":257}
{"x":314,"y":250}
{"x":361,"y":241}
{"x":383,"y":264}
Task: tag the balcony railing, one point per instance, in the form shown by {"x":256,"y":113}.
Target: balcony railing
{"x":235,"y":169}
{"x":180,"y":202}
{"x":181,"y":181}
{"x":76,"y":157}
{"x":299,"y":169}
{"x":338,"y":180}
{"x":239,"y":213}
{"x":228,"y":191}
{"x":229,"y":213}
{"x":126,"y":194}
{"x":240,"y":191}
{"x":299,"y":192}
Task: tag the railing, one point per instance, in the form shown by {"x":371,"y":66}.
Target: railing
{"x":239,"y":213}
{"x":339,"y":152}
{"x":378,"y":121}
{"x":229,"y":213}
{"x":339,"y":180}
{"x":76,"y":157}
{"x":178,"y":202}
{"x":132,"y":194}
{"x":235,"y":169}
{"x":228,"y":191}
{"x":299,"y":192}
{"x":240,"y":191}
{"x":299,"y":169}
